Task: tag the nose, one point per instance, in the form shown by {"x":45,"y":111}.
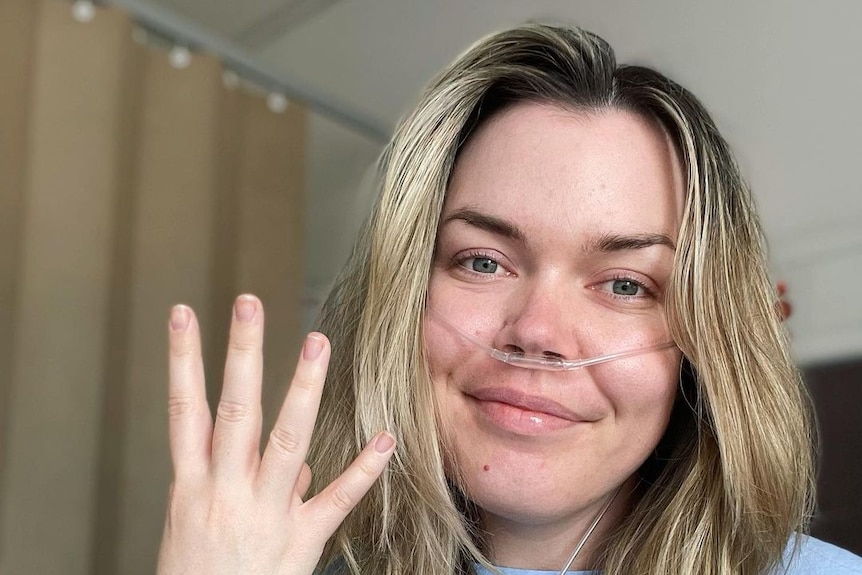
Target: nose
{"x":540,"y":321}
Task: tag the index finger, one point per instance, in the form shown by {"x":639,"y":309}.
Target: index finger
{"x":189,"y":419}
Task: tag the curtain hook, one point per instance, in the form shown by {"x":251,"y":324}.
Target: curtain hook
{"x":83,"y":11}
{"x":180,"y":57}
{"x":277,"y":102}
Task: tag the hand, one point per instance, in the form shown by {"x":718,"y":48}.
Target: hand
{"x":231,"y":510}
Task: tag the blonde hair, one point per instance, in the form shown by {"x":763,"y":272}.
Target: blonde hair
{"x":731,"y":479}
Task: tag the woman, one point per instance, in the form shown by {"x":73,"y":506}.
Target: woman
{"x":540,"y":206}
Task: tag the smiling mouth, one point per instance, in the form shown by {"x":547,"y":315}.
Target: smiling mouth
{"x":522,"y":414}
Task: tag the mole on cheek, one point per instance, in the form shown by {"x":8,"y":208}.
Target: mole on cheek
{"x":486,"y":467}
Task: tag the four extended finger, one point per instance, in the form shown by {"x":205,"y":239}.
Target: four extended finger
{"x":288,"y":442}
{"x":190,"y":423}
{"x":236,"y":437}
{"x":330,"y":507}
{"x":229,"y":448}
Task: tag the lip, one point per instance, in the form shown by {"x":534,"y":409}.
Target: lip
{"x":521,"y":413}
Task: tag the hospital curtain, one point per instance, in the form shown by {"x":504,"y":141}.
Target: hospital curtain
{"x":127,"y":183}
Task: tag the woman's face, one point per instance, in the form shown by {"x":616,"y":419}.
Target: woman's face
{"x":557,"y":238}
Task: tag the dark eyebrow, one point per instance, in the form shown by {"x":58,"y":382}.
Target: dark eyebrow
{"x":487,"y":223}
{"x":616,"y":243}
{"x":605,"y":243}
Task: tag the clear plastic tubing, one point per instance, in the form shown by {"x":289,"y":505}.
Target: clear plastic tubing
{"x":546,"y":362}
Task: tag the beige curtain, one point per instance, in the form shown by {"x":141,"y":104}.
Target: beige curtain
{"x":126,"y":185}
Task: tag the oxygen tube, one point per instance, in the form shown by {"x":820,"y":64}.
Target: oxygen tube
{"x":545,"y":362}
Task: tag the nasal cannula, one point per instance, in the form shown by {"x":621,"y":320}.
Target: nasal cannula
{"x":545,"y":362}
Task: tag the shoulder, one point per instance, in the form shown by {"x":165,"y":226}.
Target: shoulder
{"x":812,"y":556}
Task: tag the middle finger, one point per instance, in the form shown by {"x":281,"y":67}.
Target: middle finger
{"x":236,"y":437}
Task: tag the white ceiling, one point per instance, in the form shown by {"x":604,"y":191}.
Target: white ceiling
{"x":780,"y":76}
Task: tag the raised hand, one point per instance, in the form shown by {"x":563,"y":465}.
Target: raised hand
{"x":231,"y":511}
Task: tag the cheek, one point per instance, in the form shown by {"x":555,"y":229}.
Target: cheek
{"x":442,"y":350}
{"x":449,"y":347}
{"x":453,"y":363}
{"x":641,"y":392}
{"x":447,"y":356}
{"x":444,"y":354}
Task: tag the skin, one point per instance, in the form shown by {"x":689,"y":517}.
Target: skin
{"x":524,"y":263}
{"x":568,"y":183}
{"x":232,"y":510}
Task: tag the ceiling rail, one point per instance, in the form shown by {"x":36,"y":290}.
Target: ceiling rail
{"x":182,"y":31}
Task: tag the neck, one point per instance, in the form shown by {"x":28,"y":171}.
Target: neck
{"x":548,"y":545}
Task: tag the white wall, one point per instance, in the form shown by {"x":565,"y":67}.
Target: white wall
{"x":336,"y":202}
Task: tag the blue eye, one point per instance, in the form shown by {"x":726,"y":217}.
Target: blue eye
{"x":626,"y":287}
{"x":481,"y":265}
{"x":484,"y":265}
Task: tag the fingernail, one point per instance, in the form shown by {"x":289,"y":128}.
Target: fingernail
{"x":312,"y":347}
{"x":245,"y":308}
{"x":180,"y":317}
{"x":384,"y":442}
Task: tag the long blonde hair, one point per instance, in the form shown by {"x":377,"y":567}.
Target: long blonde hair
{"x":731,"y":479}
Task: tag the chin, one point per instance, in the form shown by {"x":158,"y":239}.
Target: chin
{"x":536,"y":508}
{"x":522,"y":487}
{"x":540,"y":484}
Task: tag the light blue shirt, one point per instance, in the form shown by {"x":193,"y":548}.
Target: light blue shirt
{"x":814,"y":557}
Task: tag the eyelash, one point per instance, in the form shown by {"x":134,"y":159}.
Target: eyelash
{"x":460,"y":259}
{"x":648,"y":293}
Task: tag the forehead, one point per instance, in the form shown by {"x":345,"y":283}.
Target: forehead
{"x":553,"y":170}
